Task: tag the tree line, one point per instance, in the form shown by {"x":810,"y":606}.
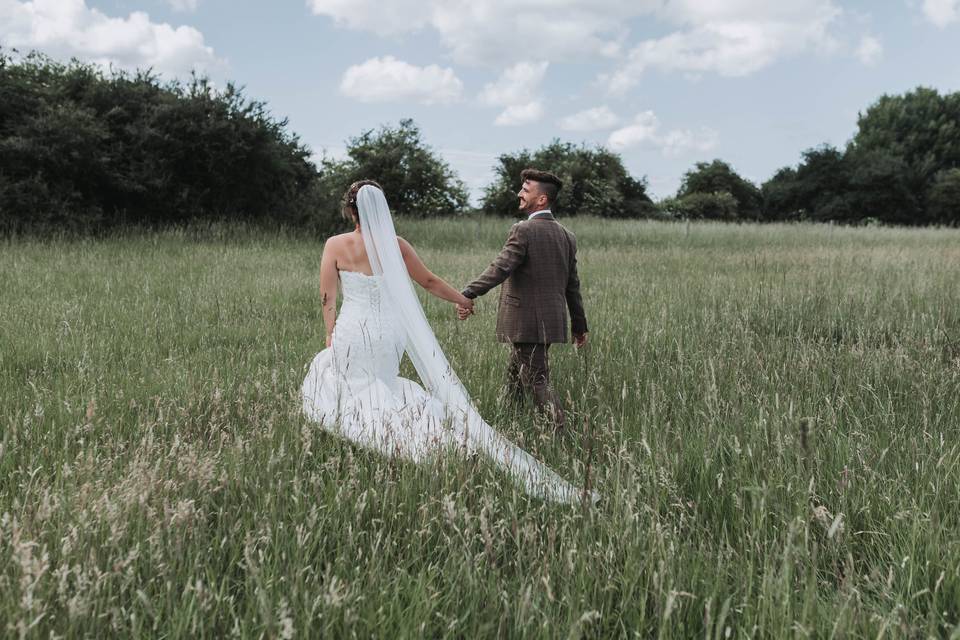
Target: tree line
{"x":83,"y":149}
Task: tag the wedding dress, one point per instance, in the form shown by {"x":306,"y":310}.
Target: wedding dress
{"x":354,"y":390}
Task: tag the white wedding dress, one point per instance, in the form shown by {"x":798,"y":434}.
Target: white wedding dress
{"x":354,"y":387}
{"x":354,"y":390}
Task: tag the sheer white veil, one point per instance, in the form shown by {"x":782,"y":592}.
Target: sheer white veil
{"x":383,"y":251}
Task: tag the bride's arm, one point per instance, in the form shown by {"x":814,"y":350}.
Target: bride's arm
{"x":328,"y":287}
{"x":426,"y":279}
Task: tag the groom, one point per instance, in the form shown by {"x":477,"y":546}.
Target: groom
{"x":538,"y":269}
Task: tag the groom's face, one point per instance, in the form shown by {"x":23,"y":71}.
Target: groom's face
{"x":531,"y":199}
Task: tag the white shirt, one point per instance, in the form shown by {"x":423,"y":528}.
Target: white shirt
{"x":530,"y":217}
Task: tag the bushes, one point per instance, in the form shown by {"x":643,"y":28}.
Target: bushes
{"x":85,"y":150}
{"x":702,"y":206}
{"x":715,"y":178}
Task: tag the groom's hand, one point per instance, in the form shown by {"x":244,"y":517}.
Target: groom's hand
{"x":579,"y":339}
{"x":464,"y":308}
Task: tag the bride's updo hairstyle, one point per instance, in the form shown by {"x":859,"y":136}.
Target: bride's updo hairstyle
{"x":348,"y":205}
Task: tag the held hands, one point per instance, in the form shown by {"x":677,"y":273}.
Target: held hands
{"x":465,"y":308}
{"x":579,"y":339}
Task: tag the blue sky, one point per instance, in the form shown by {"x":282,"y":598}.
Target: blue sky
{"x":664,"y":83}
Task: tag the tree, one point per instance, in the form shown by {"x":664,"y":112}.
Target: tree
{"x":820,"y":188}
{"x":824,"y":185}
{"x":594,"y":178}
{"x":84,"y":149}
{"x":944,"y":197}
{"x":880,"y":188}
{"x":904,"y":145}
{"x":719,"y":177}
{"x":920,"y":127}
{"x":831,"y":185}
{"x":416,"y":181}
{"x":781,"y":196}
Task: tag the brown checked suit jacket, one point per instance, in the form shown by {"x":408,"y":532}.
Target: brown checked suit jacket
{"x":538,"y":269}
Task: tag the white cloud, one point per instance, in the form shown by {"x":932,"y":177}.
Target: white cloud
{"x":388,"y":79}
{"x":681,"y":141}
{"x":520,"y":114}
{"x":870,"y":50}
{"x":730,"y":37}
{"x":594,"y":119}
{"x":941,"y":12}
{"x":689,"y":37}
{"x":645,"y":131}
{"x":383,"y":18}
{"x":498,"y":32}
{"x":518,"y":84}
{"x":517,"y":90}
{"x":69,"y":28}
{"x":183,"y":5}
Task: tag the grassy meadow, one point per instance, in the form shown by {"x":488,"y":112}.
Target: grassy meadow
{"x":771,"y":415}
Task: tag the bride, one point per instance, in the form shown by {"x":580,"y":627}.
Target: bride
{"x":353,"y":386}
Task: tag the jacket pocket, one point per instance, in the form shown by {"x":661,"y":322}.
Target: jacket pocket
{"x":513,"y":301}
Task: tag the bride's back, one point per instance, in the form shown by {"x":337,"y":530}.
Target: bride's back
{"x":351,"y":254}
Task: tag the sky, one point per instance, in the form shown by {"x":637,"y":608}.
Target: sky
{"x":664,"y":83}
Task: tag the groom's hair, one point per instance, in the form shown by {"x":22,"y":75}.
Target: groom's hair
{"x":550,"y":184}
{"x":348,"y":204}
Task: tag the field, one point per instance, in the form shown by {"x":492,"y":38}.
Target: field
{"x":770,"y":414}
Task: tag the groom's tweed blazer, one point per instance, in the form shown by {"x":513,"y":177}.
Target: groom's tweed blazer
{"x":538,"y":269}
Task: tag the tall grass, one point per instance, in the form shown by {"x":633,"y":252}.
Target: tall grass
{"x":769,"y":413}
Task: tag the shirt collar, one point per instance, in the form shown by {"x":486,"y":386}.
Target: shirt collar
{"x":536,"y":213}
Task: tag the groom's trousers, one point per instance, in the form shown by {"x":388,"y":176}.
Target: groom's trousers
{"x":529,"y":368}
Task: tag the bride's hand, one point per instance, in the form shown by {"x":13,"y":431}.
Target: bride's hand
{"x":465,"y":308}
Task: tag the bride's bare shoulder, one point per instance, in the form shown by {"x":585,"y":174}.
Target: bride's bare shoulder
{"x":337,"y":241}
{"x":333,"y":248}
